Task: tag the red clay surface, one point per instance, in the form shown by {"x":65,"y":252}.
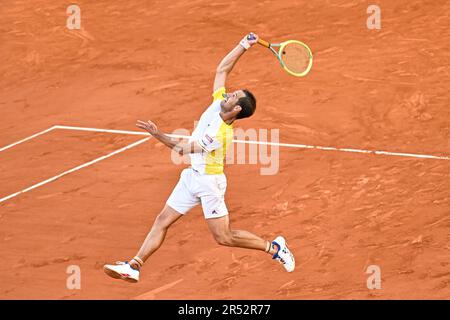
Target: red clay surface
{"x":372,"y":89}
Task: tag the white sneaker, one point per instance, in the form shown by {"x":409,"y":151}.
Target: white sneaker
{"x":122,"y":270}
{"x":284,"y":255}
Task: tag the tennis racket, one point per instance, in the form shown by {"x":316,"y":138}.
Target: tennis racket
{"x":294,"y":56}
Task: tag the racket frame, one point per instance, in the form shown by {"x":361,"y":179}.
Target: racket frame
{"x":281,"y":47}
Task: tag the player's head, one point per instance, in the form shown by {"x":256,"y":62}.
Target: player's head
{"x":241,"y":103}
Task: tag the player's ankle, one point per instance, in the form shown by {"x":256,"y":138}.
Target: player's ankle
{"x":271,"y":248}
{"x":136,"y":263}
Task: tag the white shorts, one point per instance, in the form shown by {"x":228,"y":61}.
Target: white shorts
{"x":194,"y":188}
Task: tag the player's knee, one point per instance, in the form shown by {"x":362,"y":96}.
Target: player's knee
{"x":161,"y":221}
{"x":224,"y":239}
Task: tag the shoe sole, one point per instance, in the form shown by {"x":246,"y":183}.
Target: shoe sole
{"x":114,"y":274}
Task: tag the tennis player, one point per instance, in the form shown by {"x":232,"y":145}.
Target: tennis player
{"x":204,"y":181}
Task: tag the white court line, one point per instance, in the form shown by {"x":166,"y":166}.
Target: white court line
{"x":75,"y":169}
{"x":27,"y":138}
{"x":289,"y":145}
{"x":138,"y":133}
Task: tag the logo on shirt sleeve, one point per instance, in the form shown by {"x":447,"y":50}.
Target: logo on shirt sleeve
{"x":205,"y":142}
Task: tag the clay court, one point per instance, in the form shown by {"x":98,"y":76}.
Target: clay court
{"x":374,"y":90}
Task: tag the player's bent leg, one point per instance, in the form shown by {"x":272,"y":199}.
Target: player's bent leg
{"x":220,"y":229}
{"x":224,"y":235}
{"x":129,"y":271}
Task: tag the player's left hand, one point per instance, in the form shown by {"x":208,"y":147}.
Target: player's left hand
{"x":147,"y":126}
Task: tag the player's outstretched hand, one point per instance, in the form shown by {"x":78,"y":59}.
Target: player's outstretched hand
{"x":147,"y":126}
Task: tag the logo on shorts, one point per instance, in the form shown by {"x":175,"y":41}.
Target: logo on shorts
{"x":214,"y":212}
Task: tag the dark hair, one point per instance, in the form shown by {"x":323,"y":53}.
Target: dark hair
{"x":248,"y":105}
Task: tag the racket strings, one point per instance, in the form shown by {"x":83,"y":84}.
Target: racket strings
{"x":296,"y":57}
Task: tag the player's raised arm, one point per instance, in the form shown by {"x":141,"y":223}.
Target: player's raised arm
{"x":227,"y":63}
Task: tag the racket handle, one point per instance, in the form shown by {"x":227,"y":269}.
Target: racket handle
{"x":263,"y":43}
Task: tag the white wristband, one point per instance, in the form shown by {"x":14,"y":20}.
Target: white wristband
{"x":244,"y":43}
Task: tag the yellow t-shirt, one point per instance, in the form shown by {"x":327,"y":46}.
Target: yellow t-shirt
{"x":214,"y":137}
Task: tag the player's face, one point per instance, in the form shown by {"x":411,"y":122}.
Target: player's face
{"x":231,"y":100}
